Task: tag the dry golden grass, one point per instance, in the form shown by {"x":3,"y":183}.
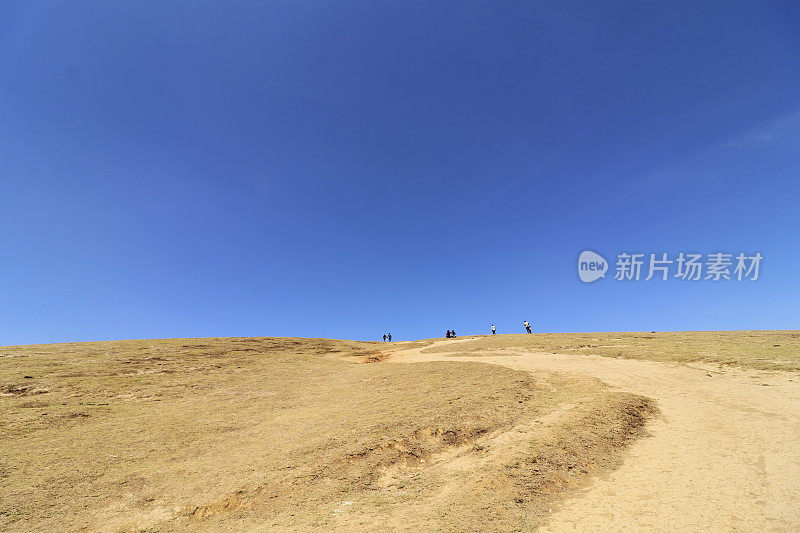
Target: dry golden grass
{"x":235,"y":434}
{"x":762,"y":350}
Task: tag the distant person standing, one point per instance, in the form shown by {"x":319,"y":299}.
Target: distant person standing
{"x":384,"y":337}
{"x":527,"y":326}
{"x":390,"y":336}
{"x":494,"y":331}
{"x":447,"y":335}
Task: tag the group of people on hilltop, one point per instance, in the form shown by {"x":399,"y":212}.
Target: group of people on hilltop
{"x":451,"y":333}
{"x":527,"y":325}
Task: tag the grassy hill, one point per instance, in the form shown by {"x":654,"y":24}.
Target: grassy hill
{"x":244,"y":433}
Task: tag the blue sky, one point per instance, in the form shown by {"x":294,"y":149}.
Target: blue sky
{"x":342,"y":169}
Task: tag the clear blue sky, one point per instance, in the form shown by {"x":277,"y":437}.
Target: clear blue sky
{"x":342,"y":169}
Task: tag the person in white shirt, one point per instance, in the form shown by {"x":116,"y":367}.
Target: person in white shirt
{"x":494,"y":332}
{"x":527,"y":326}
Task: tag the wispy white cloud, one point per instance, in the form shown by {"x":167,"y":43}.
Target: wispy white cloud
{"x":784,"y":129}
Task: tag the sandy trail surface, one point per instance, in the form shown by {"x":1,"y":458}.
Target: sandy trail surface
{"x":724,"y":454}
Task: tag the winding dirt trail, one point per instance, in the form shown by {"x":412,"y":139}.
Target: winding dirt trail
{"x":724,"y":455}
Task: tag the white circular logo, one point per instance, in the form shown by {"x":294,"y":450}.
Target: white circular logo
{"x":591,"y":266}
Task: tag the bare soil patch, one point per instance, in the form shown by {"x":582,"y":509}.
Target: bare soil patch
{"x":721,"y":456}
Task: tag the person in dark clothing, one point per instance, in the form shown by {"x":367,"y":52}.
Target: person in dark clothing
{"x":447,"y":335}
{"x":453,"y":334}
{"x":390,"y":336}
{"x":384,"y":337}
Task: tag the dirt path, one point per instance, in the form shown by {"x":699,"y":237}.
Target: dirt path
{"x":723,"y":456}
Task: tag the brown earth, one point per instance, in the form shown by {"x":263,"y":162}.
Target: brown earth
{"x":724,"y":454}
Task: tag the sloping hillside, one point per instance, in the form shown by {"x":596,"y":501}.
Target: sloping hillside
{"x":290,"y":433}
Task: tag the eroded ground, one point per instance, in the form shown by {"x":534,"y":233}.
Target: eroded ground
{"x":722,"y":455}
